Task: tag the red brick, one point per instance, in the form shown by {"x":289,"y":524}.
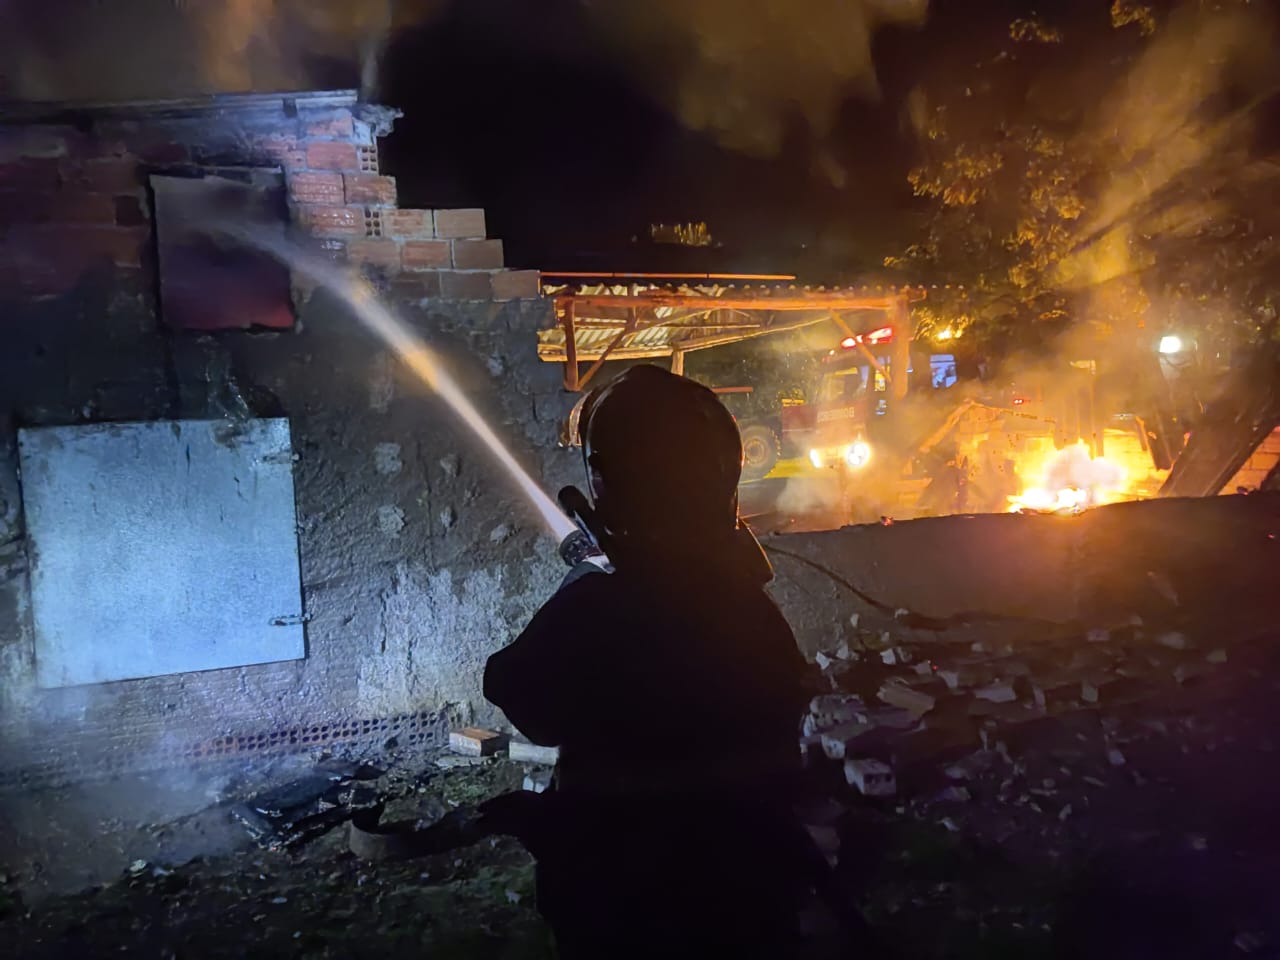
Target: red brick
{"x":59,"y":206}
{"x":1263,"y":461}
{"x":330,"y":248}
{"x":332,"y":155}
{"x":332,"y":221}
{"x":516,"y":285}
{"x":376,"y":252}
{"x":129,"y":212}
{"x":423,"y":285}
{"x":283,"y":151}
{"x":337,"y":128}
{"x":80,"y":245}
{"x":122,"y":244}
{"x":322,"y":188}
{"x":1247,"y":478}
{"x":460,"y":224}
{"x":86,"y":208}
{"x":116,"y":175}
{"x":25,"y":206}
{"x":477,"y":254}
{"x":465,"y":285}
{"x":41,"y":174}
{"x":371,"y":189}
{"x":18,"y":143}
{"x":161,"y":152}
{"x":425,"y":254}
{"x":408,"y":223}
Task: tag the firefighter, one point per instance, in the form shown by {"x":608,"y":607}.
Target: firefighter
{"x":674,"y":688}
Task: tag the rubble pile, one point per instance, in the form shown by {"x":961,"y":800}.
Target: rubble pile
{"x":1018,"y":735}
{"x":303,"y":809}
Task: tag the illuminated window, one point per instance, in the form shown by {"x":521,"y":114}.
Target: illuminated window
{"x":207,"y":284}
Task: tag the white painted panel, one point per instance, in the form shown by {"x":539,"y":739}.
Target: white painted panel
{"x":160,"y":548}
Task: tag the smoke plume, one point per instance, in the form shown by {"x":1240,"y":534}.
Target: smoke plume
{"x":1179,"y":129}
{"x":738,"y":70}
{"x":144,"y":49}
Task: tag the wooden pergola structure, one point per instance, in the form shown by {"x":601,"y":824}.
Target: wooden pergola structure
{"x":609,"y":316}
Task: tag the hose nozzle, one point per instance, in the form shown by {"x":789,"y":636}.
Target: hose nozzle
{"x":580,"y":545}
{"x":576,"y":548}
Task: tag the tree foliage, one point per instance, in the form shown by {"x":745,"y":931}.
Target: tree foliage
{"x":1103,"y":175}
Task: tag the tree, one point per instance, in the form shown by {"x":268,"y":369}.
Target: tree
{"x":1099,"y":175}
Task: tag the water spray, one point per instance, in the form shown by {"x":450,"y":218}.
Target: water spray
{"x":358,"y":294}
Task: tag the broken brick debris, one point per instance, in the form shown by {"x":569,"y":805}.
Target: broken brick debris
{"x":1033,"y":724}
{"x":871,"y":778}
{"x":1001,"y":692}
{"x":303,"y":809}
{"x":523,"y":752}
{"x":836,"y":741}
{"x":476,"y":742}
{"x":900,"y":695}
{"x":537,"y":781}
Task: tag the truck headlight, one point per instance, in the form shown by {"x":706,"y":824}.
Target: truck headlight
{"x":858,"y":454}
{"x":815,"y":457}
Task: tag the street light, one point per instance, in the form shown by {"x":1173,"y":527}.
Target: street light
{"x":1170,"y":344}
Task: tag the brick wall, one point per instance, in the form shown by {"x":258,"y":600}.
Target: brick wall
{"x":73,"y":192}
{"x":1260,"y":465}
{"x":401,"y":614}
{"x":67,"y":201}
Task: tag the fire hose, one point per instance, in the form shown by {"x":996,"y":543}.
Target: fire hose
{"x":525,"y":815}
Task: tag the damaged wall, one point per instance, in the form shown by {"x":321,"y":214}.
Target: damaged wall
{"x":417,"y":560}
{"x":1194,"y":564}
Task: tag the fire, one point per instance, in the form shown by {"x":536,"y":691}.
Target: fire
{"x":1071,"y":481}
{"x":1069,"y":500}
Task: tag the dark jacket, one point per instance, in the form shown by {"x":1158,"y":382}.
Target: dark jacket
{"x":674,"y":690}
{"x":662,"y":678}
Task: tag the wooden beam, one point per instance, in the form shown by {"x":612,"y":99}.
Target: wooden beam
{"x":670,"y":276}
{"x":554,"y":353}
{"x":871,"y":357}
{"x":591,"y":370}
{"x":901,"y":350}
{"x":702,"y":343}
{"x":570,"y":349}
{"x":633,"y":321}
{"x":782,"y":302}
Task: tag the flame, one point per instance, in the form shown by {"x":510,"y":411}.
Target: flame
{"x":1067,"y":500}
{"x":1071,"y":481}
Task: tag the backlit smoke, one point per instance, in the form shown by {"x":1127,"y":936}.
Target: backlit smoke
{"x":1175,"y":146}
{"x":740,"y":69}
{"x":138,"y":49}
{"x":1071,"y":480}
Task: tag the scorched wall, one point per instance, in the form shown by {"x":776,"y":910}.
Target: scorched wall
{"x":416,"y":559}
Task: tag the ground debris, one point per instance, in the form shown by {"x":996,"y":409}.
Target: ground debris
{"x":306,"y":808}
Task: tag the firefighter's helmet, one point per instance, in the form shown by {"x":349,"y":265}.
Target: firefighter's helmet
{"x":662,"y":452}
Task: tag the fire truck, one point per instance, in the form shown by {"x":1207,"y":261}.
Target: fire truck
{"x":837,"y":423}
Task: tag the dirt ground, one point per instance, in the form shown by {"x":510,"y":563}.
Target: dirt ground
{"x":1052,"y":849}
{"x":1119,"y":803}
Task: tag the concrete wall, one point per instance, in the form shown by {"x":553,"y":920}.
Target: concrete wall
{"x":1260,"y":469}
{"x":1203,"y":565}
{"x":417,"y":560}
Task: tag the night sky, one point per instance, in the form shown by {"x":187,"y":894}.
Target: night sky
{"x":560,"y":117}
{"x":518,"y":107}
